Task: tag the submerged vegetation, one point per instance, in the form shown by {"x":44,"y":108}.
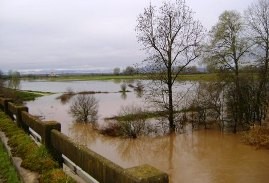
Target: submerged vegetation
{"x":84,"y":108}
{"x":65,"y":97}
{"x":131,"y":123}
{"x":257,"y":136}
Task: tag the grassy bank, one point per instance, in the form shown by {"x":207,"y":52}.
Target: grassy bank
{"x":94,"y":77}
{"x":19,"y":96}
{"x":27,"y":96}
{"x":34,"y":158}
{"x":7,"y":171}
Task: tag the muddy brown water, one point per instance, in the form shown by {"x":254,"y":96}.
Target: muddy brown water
{"x":205,"y":156}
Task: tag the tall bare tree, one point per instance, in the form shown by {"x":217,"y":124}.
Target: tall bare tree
{"x":257,"y":17}
{"x":172,"y":39}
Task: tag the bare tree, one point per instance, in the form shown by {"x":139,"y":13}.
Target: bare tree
{"x":257,"y":17}
{"x":129,"y":70}
{"x":84,"y":108}
{"x":227,"y":46}
{"x":14,"y":79}
{"x":172,"y":38}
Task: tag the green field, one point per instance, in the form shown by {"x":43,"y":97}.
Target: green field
{"x":89,"y":77}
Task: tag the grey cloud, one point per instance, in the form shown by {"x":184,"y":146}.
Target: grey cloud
{"x":70,"y":33}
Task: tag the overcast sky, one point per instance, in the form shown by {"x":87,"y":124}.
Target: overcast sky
{"x":82,"y":34}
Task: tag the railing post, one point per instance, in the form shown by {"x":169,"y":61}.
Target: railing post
{"x":2,"y":106}
{"x":145,"y":174}
{"x":6,"y":101}
{"x":47,"y":140}
{"x":19,"y":120}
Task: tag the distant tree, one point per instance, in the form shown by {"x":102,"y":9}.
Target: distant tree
{"x":1,"y":80}
{"x":14,"y":79}
{"x":116,"y":71}
{"x":172,"y":38}
{"x":84,"y":108}
{"x":190,"y":69}
{"x":129,"y":70}
{"x":211,"y":68}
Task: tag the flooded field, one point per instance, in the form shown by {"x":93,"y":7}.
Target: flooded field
{"x":197,"y":157}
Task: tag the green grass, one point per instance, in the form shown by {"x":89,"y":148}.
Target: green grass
{"x":34,"y":158}
{"x":7,"y":171}
{"x":89,"y":77}
{"x":27,"y":96}
{"x":198,"y":77}
{"x":95,"y":77}
{"x":20,"y":96}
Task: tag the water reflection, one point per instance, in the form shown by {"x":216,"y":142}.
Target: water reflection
{"x":117,"y":81}
{"x":198,"y":157}
{"x":83,"y":133}
{"x":124,"y":95}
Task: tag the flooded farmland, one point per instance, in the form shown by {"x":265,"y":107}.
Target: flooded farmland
{"x":198,"y":156}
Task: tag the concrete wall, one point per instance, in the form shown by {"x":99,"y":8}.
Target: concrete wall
{"x":100,"y":168}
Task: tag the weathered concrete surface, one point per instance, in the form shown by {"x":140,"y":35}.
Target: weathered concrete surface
{"x":24,"y":174}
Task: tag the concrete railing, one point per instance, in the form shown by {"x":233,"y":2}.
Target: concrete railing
{"x":97,"y":166}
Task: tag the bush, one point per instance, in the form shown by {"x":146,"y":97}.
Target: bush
{"x":112,"y":129}
{"x":55,"y":176}
{"x":123,"y":87}
{"x":129,"y":125}
{"x":84,"y":108}
{"x":257,"y":136}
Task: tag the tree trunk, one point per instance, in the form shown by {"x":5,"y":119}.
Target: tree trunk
{"x":170,"y":99}
{"x":171,"y":110}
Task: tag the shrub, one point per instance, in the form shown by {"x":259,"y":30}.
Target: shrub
{"x":65,"y":97}
{"x":55,"y":176}
{"x":123,"y":87}
{"x":131,"y":126}
{"x":84,"y":108}
{"x":257,"y":136}
{"x":112,"y":129}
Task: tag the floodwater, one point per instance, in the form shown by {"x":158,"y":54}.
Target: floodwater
{"x":205,"y":156}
